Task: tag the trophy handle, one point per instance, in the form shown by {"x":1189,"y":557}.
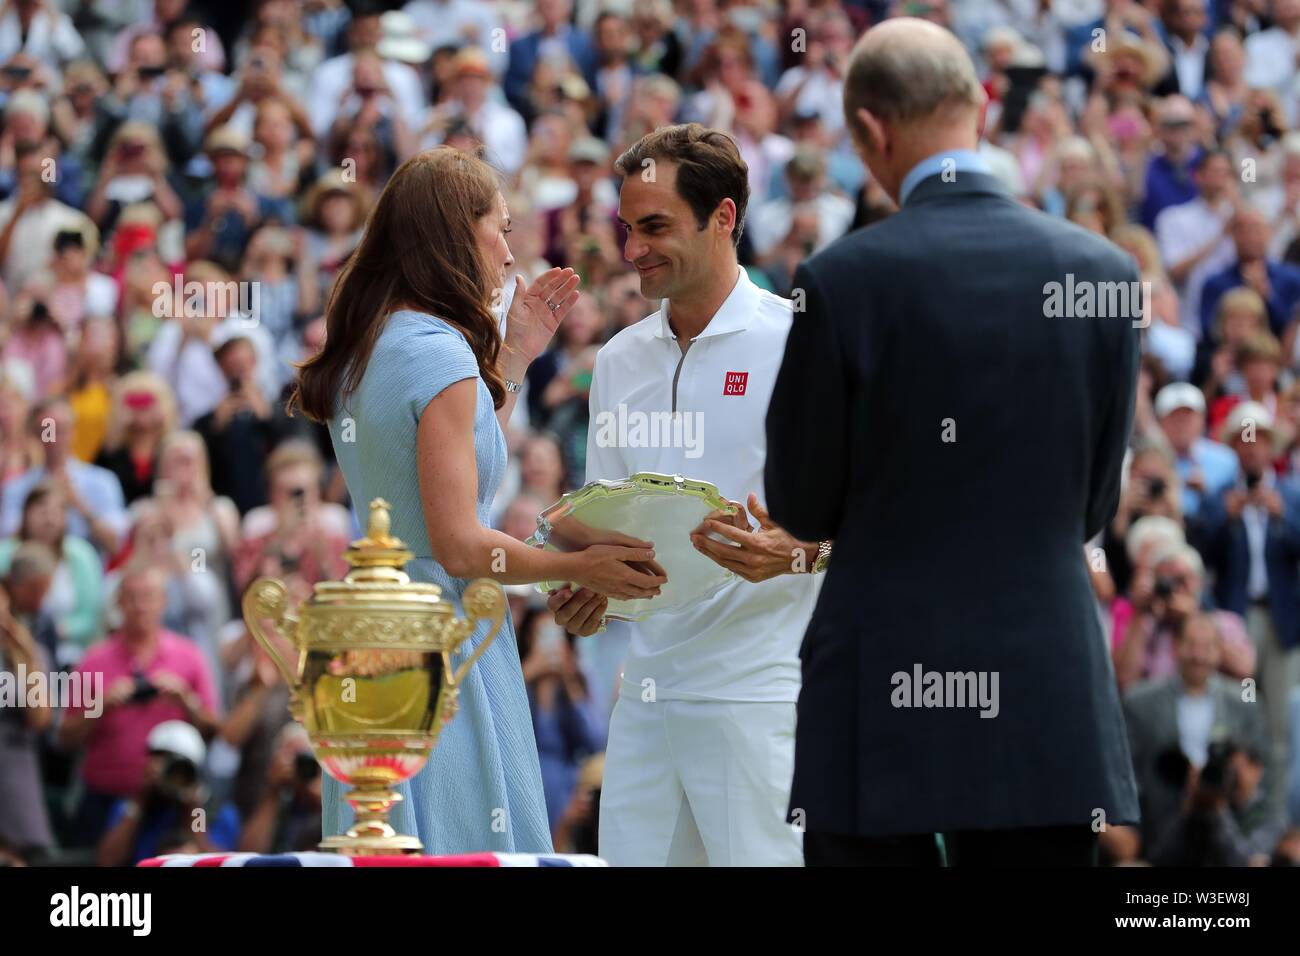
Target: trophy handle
{"x":484,"y":599}
{"x":269,"y":598}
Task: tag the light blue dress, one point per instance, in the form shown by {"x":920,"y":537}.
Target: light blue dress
{"x":482,"y":787}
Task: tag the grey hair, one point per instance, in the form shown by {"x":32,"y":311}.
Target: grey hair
{"x":1182,"y":552}
{"x":32,"y":559}
{"x":902,"y":82}
{"x":29,"y":102}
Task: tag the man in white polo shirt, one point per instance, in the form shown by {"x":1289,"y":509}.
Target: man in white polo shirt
{"x":701,"y":742}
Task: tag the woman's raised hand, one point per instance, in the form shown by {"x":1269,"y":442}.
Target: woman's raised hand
{"x":536,"y":312}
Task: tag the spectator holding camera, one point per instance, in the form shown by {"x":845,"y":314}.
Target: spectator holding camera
{"x":221,"y":222}
{"x":147,"y":98}
{"x":786,"y":230}
{"x":1253,"y":545}
{"x":1172,"y":723}
{"x":258,"y":712}
{"x":587,"y":225}
{"x":239,"y":432}
{"x":148,"y":675}
{"x":31,"y":218}
{"x":203,"y":522}
{"x":1151,"y":488}
{"x":134,"y":171}
{"x":40,"y":29}
{"x":73,"y":113}
{"x":1165,"y":590}
{"x":71,"y":288}
{"x":1224,"y":820}
{"x":287,"y":819}
{"x":297,"y":533}
{"x":96,"y":510}
{"x":368,"y":105}
{"x":27,"y":120}
{"x":285,"y":296}
{"x":170,"y":798}
{"x":36,"y":340}
{"x":1204,"y":466}
{"x":286,"y":155}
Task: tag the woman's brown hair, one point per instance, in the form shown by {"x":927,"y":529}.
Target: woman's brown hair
{"x":418,"y":251}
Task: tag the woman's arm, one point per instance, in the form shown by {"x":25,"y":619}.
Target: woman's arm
{"x":448,"y":481}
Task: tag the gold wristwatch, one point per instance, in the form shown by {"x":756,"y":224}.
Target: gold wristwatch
{"x":823,"y":557}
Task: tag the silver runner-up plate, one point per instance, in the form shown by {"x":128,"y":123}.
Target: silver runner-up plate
{"x":664,"y":509}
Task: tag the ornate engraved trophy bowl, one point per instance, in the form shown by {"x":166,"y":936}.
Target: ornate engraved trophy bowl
{"x":374,"y":681}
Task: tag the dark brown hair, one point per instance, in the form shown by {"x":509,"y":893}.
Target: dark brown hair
{"x":418,"y":251}
{"x":709,"y":168}
{"x":43,"y":489}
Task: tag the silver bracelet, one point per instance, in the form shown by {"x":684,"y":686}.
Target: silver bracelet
{"x":513,"y":386}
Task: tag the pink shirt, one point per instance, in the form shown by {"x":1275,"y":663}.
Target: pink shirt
{"x":1161,"y":662}
{"x":115,"y":753}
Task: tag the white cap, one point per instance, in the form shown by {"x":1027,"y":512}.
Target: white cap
{"x":401,"y":39}
{"x":1178,"y":395}
{"x":179,"y":738}
{"x":17,"y":374}
{"x":1243,"y":413}
{"x":230,"y":328}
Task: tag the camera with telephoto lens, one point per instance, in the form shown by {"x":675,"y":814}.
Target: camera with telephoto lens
{"x":178,"y":777}
{"x":305,"y":767}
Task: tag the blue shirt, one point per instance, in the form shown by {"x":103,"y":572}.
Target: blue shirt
{"x":223,"y":832}
{"x":1284,"y":289}
{"x":1218,"y":465}
{"x":98,"y":487}
{"x":963,"y":161}
{"x":1168,"y":185}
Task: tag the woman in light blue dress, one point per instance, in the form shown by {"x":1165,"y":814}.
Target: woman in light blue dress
{"x":415,"y":384}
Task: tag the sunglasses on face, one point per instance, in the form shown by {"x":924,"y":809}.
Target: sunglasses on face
{"x":138,"y":400}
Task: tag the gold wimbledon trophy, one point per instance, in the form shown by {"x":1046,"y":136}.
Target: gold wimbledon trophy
{"x":374,"y":682}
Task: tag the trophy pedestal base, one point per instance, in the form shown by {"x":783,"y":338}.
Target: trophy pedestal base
{"x":371,"y":845}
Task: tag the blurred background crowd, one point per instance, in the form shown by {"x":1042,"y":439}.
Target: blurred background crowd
{"x":149,"y":471}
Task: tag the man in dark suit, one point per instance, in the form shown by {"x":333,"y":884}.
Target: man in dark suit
{"x":950,"y":413}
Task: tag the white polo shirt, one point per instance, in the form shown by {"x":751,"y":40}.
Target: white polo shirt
{"x":742,"y":644}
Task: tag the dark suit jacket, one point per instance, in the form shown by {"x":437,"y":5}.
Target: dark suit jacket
{"x":955,"y":555}
{"x":1223,"y":543}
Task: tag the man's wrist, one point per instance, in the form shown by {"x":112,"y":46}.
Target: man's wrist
{"x":822,"y":558}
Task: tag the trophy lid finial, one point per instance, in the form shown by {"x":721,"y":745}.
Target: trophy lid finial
{"x":378,"y":549}
{"x":380,"y":522}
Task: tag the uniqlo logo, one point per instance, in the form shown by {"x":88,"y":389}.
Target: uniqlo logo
{"x":735,"y":384}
